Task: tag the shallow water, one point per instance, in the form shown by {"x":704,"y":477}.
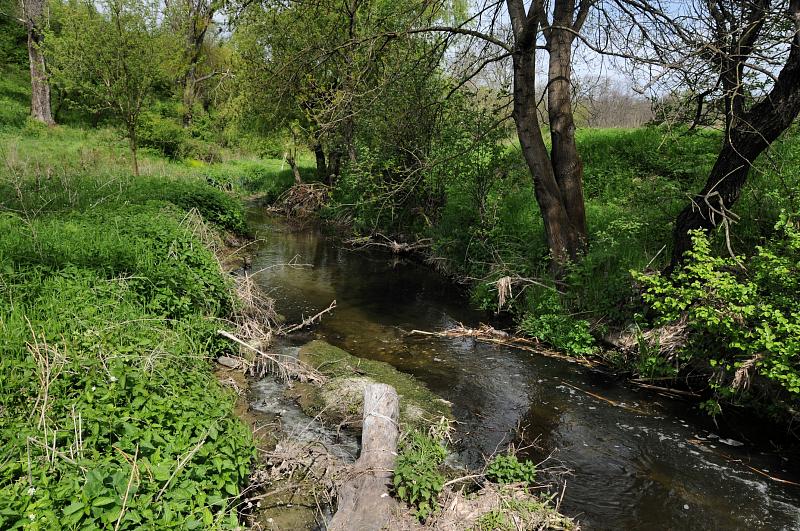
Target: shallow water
{"x":632,"y":464}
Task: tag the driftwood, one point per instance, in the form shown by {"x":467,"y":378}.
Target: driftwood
{"x":308,"y":321}
{"x":364,"y":502}
{"x":488,"y":334}
{"x":379,"y":240}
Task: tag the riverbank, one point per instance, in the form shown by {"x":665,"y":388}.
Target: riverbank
{"x":114,"y":290}
{"x":111,"y":301}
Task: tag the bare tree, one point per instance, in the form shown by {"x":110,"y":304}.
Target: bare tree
{"x":745,"y":53}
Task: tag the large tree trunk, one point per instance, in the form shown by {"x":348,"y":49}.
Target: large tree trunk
{"x":40,"y":89}
{"x":562,"y":239}
{"x":566,"y":162}
{"x":748,"y":137}
{"x":196,"y":34}
{"x":334,"y":166}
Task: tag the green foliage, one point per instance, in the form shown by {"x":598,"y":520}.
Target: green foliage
{"x":417,"y":479}
{"x":111,"y":55}
{"x":13,"y":37}
{"x":506,"y":468}
{"x":112,"y":416}
{"x":548,"y":321}
{"x":165,"y":135}
{"x":740,"y":319}
{"x":15,"y":96}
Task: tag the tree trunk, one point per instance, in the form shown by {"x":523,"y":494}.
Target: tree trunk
{"x":298,"y":179}
{"x":566,"y":162}
{"x":335,"y":166}
{"x":364,"y":503}
{"x":40,"y":89}
{"x":749,"y":136}
{"x":322,"y":168}
{"x":134,"y":155}
{"x":562,"y":239}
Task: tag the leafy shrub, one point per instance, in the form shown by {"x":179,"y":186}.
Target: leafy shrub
{"x":741,"y":320}
{"x":506,"y":468}
{"x":108,"y":313}
{"x":550,"y":322}
{"x":165,"y":135}
{"x":417,"y":479}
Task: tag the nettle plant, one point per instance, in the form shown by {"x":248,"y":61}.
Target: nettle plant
{"x":417,"y":478}
{"x":507,"y":468}
{"x":743,"y":319}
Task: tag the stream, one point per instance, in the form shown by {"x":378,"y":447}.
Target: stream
{"x":637,"y":460}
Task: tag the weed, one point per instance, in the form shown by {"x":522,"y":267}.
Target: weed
{"x":506,"y":468}
{"x":417,"y":479}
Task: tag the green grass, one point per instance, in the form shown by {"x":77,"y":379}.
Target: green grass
{"x":109,"y":306}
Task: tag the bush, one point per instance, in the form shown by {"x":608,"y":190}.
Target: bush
{"x":549,"y":321}
{"x":742,"y":322}
{"x":506,"y":468}
{"x":165,"y":135}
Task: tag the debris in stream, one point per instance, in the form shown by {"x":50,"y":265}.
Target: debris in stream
{"x":379,"y":240}
{"x":490,"y":334}
{"x":301,"y":200}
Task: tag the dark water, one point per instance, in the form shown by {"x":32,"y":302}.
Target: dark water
{"x":633,"y":465}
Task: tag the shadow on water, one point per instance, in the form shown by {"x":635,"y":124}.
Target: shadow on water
{"x":644,"y":463}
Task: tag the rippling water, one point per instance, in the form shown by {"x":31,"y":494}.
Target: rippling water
{"x":643,"y":462}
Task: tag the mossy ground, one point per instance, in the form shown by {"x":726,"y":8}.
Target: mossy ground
{"x":340,"y":399}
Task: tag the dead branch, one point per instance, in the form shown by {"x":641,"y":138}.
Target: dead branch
{"x":309,"y":320}
{"x":288,"y":366}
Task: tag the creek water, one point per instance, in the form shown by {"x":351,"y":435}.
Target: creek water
{"x":643,"y":462}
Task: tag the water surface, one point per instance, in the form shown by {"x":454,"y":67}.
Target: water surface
{"x":645,"y":463}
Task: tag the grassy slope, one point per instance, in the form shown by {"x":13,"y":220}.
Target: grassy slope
{"x":109,"y":305}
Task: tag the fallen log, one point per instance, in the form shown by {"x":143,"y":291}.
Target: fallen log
{"x":364,"y":502}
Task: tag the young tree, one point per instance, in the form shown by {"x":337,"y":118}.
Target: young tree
{"x":113,"y":54}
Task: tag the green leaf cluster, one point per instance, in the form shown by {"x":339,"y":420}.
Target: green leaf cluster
{"x":110,"y":414}
{"x":507,"y":468}
{"x":742,"y":317}
{"x":417,"y":478}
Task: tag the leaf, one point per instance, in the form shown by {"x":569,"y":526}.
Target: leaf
{"x":103,"y":501}
{"x":73,"y":508}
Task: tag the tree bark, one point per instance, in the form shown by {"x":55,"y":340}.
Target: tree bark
{"x":561,"y":238}
{"x":298,"y":179}
{"x":334,"y":166}
{"x":322,"y":167}
{"x":134,"y":152}
{"x":364,"y":503}
{"x":567,"y":164}
{"x":40,"y":88}
{"x":749,"y":136}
